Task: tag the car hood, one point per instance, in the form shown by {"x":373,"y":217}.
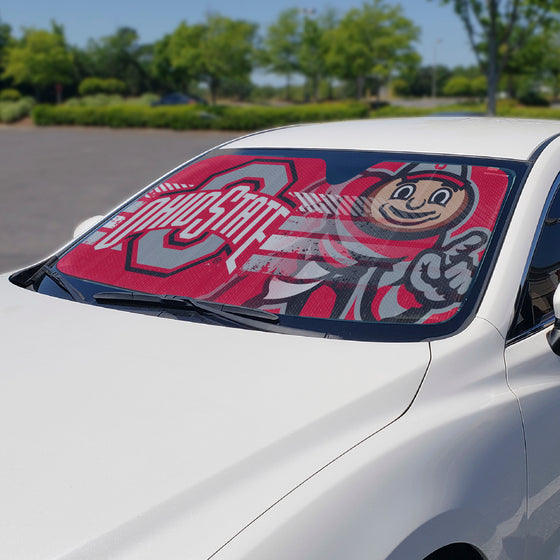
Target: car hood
{"x":128,"y":436}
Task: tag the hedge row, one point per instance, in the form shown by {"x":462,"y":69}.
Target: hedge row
{"x":91,"y":86}
{"x":13,"y":111}
{"x":196,"y":117}
{"x":110,"y":99}
{"x":505,"y":108}
{"x":530,"y":112}
{"x":10,"y":94}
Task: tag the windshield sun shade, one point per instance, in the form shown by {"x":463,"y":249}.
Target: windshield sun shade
{"x":328,"y":235}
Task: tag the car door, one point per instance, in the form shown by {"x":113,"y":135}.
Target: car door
{"x":533,"y":371}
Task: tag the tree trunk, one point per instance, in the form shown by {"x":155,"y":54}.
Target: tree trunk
{"x":360,"y":83}
{"x":492,"y":60}
{"x":330,"y":95}
{"x":58,"y":91}
{"x":288,"y":82}
{"x":510,"y":86}
{"x":315,"y":89}
{"x":492,"y":87}
{"x":214,"y":83}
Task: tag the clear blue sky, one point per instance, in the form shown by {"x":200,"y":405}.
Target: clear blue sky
{"x":442,"y":32}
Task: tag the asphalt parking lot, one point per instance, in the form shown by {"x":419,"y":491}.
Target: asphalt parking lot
{"x":53,"y":178}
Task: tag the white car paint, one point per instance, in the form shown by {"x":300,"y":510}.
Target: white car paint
{"x":137,"y":426}
{"x":132,"y":437}
{"x":433,"y":477}
{"x":501,"y":138}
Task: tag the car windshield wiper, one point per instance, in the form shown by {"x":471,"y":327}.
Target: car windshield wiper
{"x":181,"y":302}
{"x":248,"y":317}
{"x":61,"y":282}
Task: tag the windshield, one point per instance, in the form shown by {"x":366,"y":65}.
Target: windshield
{"x":346,"y":237}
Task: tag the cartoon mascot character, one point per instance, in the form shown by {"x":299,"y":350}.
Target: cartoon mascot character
{"x":390,"y":255}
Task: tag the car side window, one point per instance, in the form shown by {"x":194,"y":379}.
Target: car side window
{"x":535,"y":305}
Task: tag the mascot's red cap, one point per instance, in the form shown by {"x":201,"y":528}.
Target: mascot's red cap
{"x":455,"y":174}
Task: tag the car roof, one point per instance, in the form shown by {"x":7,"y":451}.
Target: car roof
{"x":472,"y":136}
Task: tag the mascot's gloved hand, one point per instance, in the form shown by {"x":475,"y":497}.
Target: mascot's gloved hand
{"x":442,"y":276}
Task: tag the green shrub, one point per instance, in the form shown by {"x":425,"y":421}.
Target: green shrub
{"x":533,"y":99}
{"x":479,"y":86}
{"x":92,"y":86}
{"x":12,"y":111}
{"x":119,"y":116}
{"x":441,"y":110}
{"x":457,"y":86}
{"x":186,"y":117}
{"x":506,"y":104}
{"x":106,"y":100}
{"x":253,"y":118}
{"x":97,"y":100}
{"x":397,"y":111}
{"x":10,"y":94}
{"x":530,"y":112}
{"x":400,"y":87}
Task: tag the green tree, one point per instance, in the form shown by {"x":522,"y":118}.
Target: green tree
{"x":219,"y":49}
{"x":93,"y":86}
{"x":457,"y":86}
{"x":41,"y":58}
{"x":166,"y":68}
{"x":313,"y":48}
{"x":417,"y":81}
{"x":370,"y":43}
{"x":6,"y":40}
{"x":226,"y":51}
{"x":550,"y":61}
{"x":497,"y":30}
{"x":479,"y":86}
{"x":462,"y":86}
{"x":281,"y":46}
{"x":538,"y":63}
{"x":123,"y":57}
{"x":178,"y":56}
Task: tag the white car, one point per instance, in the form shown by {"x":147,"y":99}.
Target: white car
{"x":322,"y":342}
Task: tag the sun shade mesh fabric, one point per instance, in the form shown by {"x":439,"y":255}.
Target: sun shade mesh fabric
{"x":396,"y":242}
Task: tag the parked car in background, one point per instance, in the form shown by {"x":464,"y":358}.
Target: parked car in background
{"x":321,"y":342}
{"x":178,"y":99}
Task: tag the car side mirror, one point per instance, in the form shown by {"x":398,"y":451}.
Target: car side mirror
{"x":83,"y":226}
{"x":554,"y":335}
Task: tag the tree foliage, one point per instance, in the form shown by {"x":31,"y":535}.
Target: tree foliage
{"x":537,"y":64}
{"x":218,"y":49}
{"x":281,"y":46}
{"x":41,"y":58}
{"x":549,"y":66}
{"x":226,"y":51}
{"x":418,"y":81}
{"x":371,"y":42}
{"x":497,"y":30}
{"x":167,"y":72}
{"x":313,"y":49}
{"x":120,"y":56}
{"x":462,"y":86}
{"x":6,"y":40}
{"x":180,"y":51}
{"x":93,"y":86}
